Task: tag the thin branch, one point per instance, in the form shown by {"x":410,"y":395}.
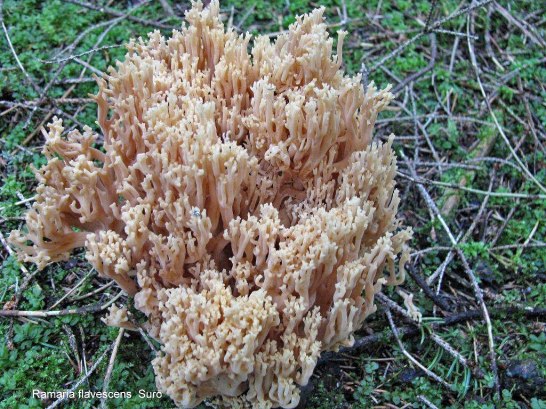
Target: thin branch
{"x":420,"y":181}
{"x":518,"y":246}
{"x":58,"y":313}
{"x":364,"y":343}
{"x":432,"y":27}
{"x":60,"y":60}
{"x":410,"y":357}
{"x":88,"y":66}
{"x":416,"y":75}
{"x":427,"y":402}
{"x":82,"y":379}
{"x":30,"y":80}
{"x":439,"y":301}
{"x":477,"y":290}
{"x":114,"y":12}
{"x":492,"y":113}
{"x":69,"y":292}
{"x":167,"y":7}
{"x":525,"y":28}
{"x":108,"y":375}
{"x":456,"y":34}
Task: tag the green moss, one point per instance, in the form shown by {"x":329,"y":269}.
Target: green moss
{"x":42,"y":356}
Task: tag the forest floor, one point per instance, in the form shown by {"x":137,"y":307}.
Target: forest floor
{"x":470,"y":125}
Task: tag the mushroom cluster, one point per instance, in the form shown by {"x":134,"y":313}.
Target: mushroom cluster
{"x":237,"y":196}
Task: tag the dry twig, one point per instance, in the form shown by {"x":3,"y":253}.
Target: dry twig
{"x":108,"y":375}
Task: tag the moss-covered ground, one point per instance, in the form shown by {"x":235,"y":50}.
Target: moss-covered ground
{"x":451,"y":136}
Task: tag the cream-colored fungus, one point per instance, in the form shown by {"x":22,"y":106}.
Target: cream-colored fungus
{"x":237,"y":197}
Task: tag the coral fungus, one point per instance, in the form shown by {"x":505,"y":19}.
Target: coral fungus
{"x":237,"y":196}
